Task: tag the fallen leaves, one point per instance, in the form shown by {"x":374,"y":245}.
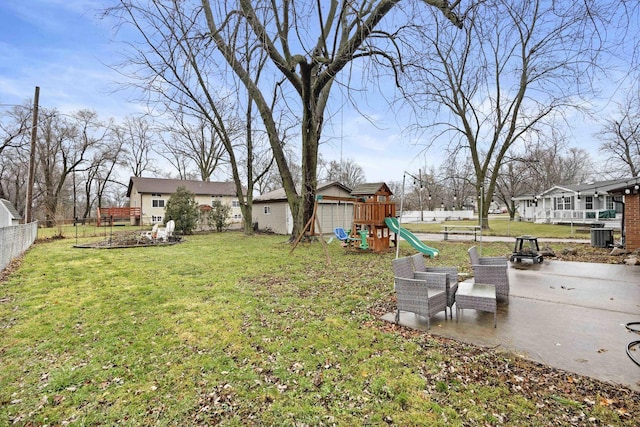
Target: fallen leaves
{"x":571,"y":398}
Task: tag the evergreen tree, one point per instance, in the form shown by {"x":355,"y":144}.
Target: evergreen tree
{"x":183,"y":209}
{"x":219,"y":216}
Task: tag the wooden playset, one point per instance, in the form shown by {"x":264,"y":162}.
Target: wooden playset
{"x":371,"y":205}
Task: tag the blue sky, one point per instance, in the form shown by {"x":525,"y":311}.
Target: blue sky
{"x":60,"y":46}
{"x":64,"y":47}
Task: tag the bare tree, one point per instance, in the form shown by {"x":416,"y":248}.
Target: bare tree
{"x":14,"y":166}
{"x":100,"y":174}
{"x":515,"y":179}
{"x":136,"y":135}
{"x":63,"y":145}
{"x":433,"y":189}
{"x":193,"y":142}
{"x":347,"y":172}
{"x":307,"y":45}
{"x":520,"y":66}
{"x":458,"y":178}
{"x":621,"y":138}
{"x":540,"y":166}
{"x":15,"y":128}
{"x":181,"y":69}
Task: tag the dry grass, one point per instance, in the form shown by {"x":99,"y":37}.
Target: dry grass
{"x":226,"y":329}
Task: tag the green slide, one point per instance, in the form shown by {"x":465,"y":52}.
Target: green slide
{"x":393,"y":225}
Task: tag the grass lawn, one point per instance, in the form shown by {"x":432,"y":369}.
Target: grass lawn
{"x":235,"y":330}
{"x":500,"y":225}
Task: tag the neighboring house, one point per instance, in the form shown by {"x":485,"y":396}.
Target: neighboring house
{"x":630,"y":190}
{"x":8,"y":214}
{"x":271,"y":211}
{"x":587,"y":203}
{"x":152,"y":195}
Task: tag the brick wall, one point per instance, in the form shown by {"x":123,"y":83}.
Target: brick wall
{"x":632,"y":221}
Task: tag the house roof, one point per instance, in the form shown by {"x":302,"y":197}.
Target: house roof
{"x":169,"y":186}
{"x":632,"y":184}
{"x":369,"y":189}
{"x":588,"y":188}
{"x":280,"y":195}
{"x":12,"y":210}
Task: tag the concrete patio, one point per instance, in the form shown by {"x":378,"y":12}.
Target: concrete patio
{"x":567,"y":315}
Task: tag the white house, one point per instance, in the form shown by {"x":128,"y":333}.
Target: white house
{"x":152,"y":194}
{"x":271,"y":210}
{"x":8,"y":214}
{"x":578,"y":203}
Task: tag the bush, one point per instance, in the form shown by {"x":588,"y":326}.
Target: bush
{"x":219,"y":216}
{"x":183,"y":209}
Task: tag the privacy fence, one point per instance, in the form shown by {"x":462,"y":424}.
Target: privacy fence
{"x":15,"y":240}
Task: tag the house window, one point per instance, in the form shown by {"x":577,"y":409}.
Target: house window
{"x":156,"y":195}
{"x":588,"y":203}
{"x":235,"y":204}
{"x":563,"y":203}
{"x":616,"y":206}
{"x":156,"y":219}
{"x":267,"y":210}
{"x":237,"y":216}
{"x":157,"y":203}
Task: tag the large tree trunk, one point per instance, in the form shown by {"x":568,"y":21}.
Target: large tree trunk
{"x":311,"y":128}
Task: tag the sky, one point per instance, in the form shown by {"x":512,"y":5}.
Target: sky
{"x":64,"y":47}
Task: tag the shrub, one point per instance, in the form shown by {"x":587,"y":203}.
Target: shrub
{"x":183,"y":209}
{"x":219,"y":216}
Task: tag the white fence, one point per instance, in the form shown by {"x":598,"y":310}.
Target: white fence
{"x":15,"y":240}
{"x":435,"y":216}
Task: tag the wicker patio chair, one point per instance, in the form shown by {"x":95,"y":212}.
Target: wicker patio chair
{"x":493,"y":275}
{"x":491,"y":270}
{"x":424,"y":297}
{"x":476,"y":259}
{"x":420,"y":267}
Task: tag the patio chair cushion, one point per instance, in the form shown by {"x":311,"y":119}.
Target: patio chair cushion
{"x":425,"y":296}
{"x":452,"y":277}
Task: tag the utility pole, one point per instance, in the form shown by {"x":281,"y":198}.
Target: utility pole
{"x":28,"y":215}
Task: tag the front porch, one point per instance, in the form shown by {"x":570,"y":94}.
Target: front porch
{"x":609,"y":218}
